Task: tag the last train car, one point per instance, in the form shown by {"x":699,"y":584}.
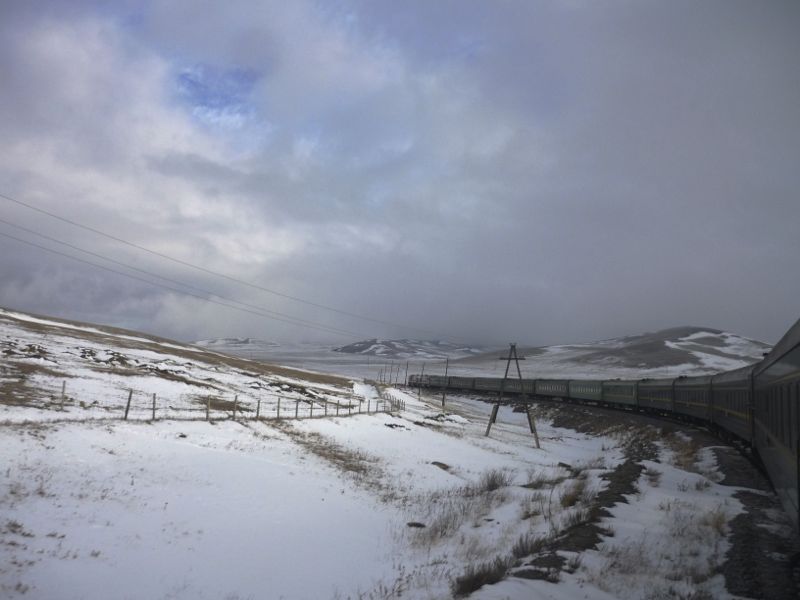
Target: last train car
{"x":776,"y":415}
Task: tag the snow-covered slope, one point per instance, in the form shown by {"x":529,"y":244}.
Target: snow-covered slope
{"x":407,"y":505}
{"x":669,"y":352}
{"x":98,"y":367}
{"x":409,"y":349}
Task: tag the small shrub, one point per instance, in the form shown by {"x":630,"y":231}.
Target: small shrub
{"x":576,"y":518}
{"x":716,"y":519}
{"x":573,"y":493}
{"x":702,"y":484}
{"x":475,"y":577}
{"x":529,"y":543}
{"x":493,"y":480}
{"x":573,"y":564}
{"x":653,"y":476}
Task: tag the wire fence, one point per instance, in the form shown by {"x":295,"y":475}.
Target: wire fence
{"x":59,"y":401}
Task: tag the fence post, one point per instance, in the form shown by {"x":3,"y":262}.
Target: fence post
{"x":367,"y":405}
{"x":128,"y":405}
{"x":326,"y":408}
{"x":296,"y":405}
{"x":154,"y":407}
{"x":311,"y":409}
{"x":279,"y":408}
{"x":337,"y":408}
{"x":258,"y":409}
{"x":359,"y":407}
{"x":235,"y":401}
{"x":208,"y":407}
{"x":63,"y":392}
{"x":349,"y":408}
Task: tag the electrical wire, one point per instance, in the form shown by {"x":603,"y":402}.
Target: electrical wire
{"x":299,"y":320}
{"x":179,"y":291}
{"x":216,"y":273}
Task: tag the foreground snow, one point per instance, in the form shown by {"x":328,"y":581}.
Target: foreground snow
{"x":319,"y":508}
{"x":358,"y":506}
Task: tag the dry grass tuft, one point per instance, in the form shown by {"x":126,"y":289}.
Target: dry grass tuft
{"x":476,"y":576}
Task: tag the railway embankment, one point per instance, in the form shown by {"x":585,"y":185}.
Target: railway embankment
{"x":763,"y":558}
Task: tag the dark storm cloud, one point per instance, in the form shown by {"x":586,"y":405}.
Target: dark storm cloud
{"x":542,"y":172}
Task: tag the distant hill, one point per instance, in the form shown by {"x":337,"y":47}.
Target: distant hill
{"x":676,"y":351}
{"x":409,"y":349}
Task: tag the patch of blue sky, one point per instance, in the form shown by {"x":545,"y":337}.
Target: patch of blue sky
{"x":220,"y":100}
{"x":218,"y":97}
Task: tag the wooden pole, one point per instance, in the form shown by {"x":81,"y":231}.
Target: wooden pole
{"x":235,"y":402}
{"x":296,"y":408}
{"x":311,"y":409}
{"x":419,"y":388}
{"x":258,"y":409}
{"x":279,"y":408}
{"x":63,"y":392}
{"x":492,"y":418}
{"x":154,"y":407}
{"x":367,"y":405}
{"x":128,"y":405}
{"x":208,"y":408}
{"x":337,"y":408}
{"x":532,"y":425}
{"x":444,"y":385}
{"x":406,"y":379}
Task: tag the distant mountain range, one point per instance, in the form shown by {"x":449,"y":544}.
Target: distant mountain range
{"x":669,"y":352}
{"x":410,"y":349}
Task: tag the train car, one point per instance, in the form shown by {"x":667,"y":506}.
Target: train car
{"x":511,"y":386}
{"x":585,"y":389}
{"x":552,"y":387}
{"x":617,"y":391}
{"x":439,"y":381}
{"x":731,"y":405}
{"x":487,"y":384}
{"x":656,"y":394}
{"x":776,"y":417}
{"x":529,"y":386}
{"x":461,"y":383}
{"x":692,"y":397}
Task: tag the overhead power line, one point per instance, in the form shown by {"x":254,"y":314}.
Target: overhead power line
{"x":288,"y":320}
{"x":299,"y":320}
{"x":217,"y":273}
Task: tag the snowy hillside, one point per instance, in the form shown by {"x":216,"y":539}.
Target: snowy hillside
{"x":99,"y":367}
{"x":415,"y":503}
{"x":408,"y":349}
{"x":665,"y":353}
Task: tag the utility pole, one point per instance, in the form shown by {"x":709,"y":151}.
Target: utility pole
{"x":512,"y":354}
{"x":444,"y":385}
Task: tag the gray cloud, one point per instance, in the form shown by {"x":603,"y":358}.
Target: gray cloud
{"x":542,"y":172}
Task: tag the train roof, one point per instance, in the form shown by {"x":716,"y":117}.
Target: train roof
{"x":786,"y":344}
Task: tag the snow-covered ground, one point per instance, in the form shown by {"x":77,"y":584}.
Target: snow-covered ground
{"x":320,"y":508}
{"x":415,"y":503}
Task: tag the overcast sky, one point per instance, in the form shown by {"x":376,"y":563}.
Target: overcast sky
{"x":539,"y":172}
